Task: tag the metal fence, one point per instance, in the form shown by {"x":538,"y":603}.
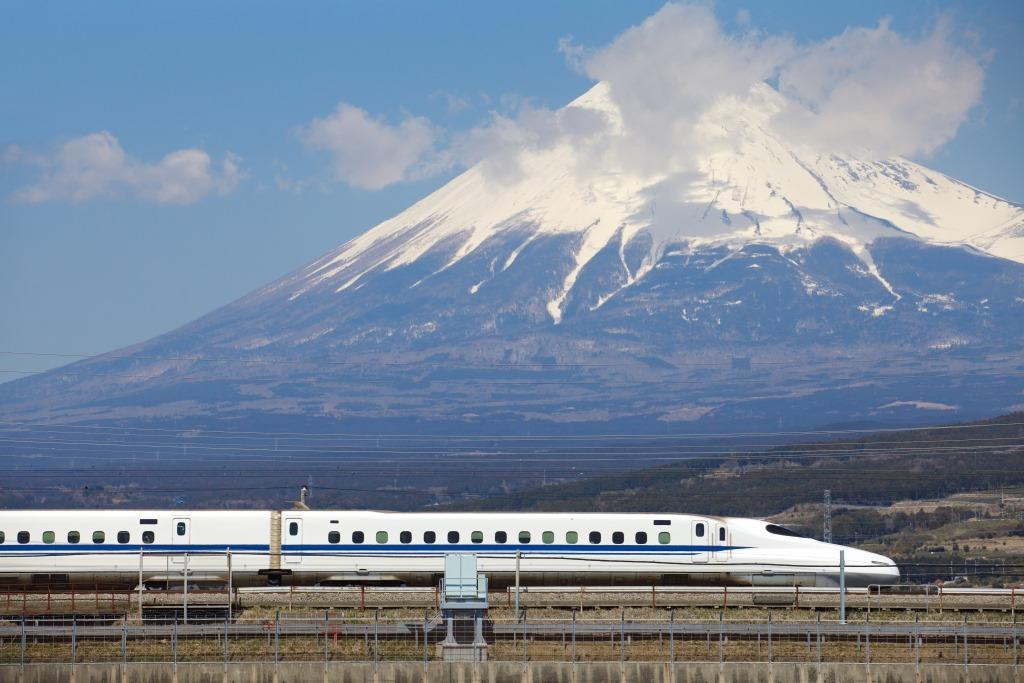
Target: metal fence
{"x":107,"y":600}
{"x":330,"y":638}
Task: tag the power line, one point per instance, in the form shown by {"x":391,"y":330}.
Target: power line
{"x":475,"y":365}
{"x":526,"y":437}
{"x":317,"y":439}
{"x":783,"y":452}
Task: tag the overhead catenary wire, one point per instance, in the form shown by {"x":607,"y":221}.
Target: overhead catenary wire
{"x":775,"y":453}
{"x":198,"y":435}
{"x":377,"y":363}
{"x":529,"y":437}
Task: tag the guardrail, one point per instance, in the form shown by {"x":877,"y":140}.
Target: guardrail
{"x":330,"y":638}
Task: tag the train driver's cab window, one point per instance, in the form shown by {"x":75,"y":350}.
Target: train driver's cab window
{"x":382,"y":537}
{"x":618,"y":538}
{"x":148,"y":537}
{"x":334,"y":537}
{"x":429,"y":537}
{"x":477,"y":537}
{"x":664,"y":537}
{"x":405,"y":537}
{"x":49,"y":537}
{"x":571,"y":537}
{"x":24,"y":537}
{"x":595,"y":537}
{"x":548,"y":537}
{"x":98,"y":537}
{"x":123,"y":537}
{"x":293,"y":528}
{"x":180,"y":529}
{"x":500,"y":537}
{"x":74,"y":537}
{"x":721,"y":534}
{"x":698,"y":530}
{"x":524,"y":536}
{"x":358,"y":537}
{"x":641,"y":537}
{"x":782,"y":531}
{"x":453,"y":536}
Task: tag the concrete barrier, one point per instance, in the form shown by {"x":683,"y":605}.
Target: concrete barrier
{"x":511,"y":672}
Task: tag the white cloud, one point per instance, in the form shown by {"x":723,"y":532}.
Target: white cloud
{"x":874,"y":89}
{"x":868,"y":88}
{"x":369,"y":153}
{"x":499,"y":143}
{"x":95,"y":166}
{"x":665,"y":73}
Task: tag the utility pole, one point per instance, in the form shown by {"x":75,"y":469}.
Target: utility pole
{"x":827,"y":535}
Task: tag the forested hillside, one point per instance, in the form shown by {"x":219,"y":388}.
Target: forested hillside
{"x":871,"y":470}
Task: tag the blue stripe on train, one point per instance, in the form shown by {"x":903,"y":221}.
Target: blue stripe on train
{"x":367,"y":548}
{"x":510,"y":548}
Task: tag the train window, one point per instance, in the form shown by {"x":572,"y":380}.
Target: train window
{"x":548,"y":537}
{"x":782,"y":531}
{"x":180,"y":529}
{"x":358,"y":537}
{"x":334,"y":537}
{"x":477,"y":537}
{"x":49,"y":537}
{"x":405,"y":537}
{"x":500,"y":537}
{"x":618,"y":537}
{"x":641,"y":537}
{"x":453,"y":536}
{"x":74,"y":537}
{"x":698,"y":530}
{"x":662,"y":522}
{"x":147,"y":521}
{"x":721,"y":534}
{"x":595,"y":537}
{"x":3,"y":537}
{"x":572,"y":537}
{"x":293,"y":528}
{"x":98,"y":537}
{"x":382,"y":537}
{"x":429,"y":537}
{"x":123,"y":537}
{"x":24,"y":537}
{"x":664,"y":537}
{"x":148,"y":537}
{"x":524,"y":536}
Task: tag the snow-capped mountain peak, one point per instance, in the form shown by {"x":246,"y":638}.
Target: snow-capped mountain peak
{"x":741,"y":183}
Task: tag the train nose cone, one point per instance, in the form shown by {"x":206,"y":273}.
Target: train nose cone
{"x":864,"y":568}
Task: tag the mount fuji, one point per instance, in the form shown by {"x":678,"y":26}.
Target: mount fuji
{"x":756,"y":283}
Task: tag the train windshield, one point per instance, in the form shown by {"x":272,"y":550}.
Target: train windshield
{"x":782,"y":531}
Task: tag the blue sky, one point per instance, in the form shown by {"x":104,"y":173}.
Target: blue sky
{"x":239,"y":84}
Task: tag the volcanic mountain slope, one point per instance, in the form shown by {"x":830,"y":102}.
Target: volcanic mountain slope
{"x":761,"y":280}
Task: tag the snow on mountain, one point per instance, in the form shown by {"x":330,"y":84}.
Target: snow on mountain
{"x":749,"y":186}
{"x":749,"y":281}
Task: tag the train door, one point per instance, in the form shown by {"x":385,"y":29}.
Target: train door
{"x":720,"y":539}
{"x":181,"y":535}
{"x":699,"y":539}
{"x":292,"y":539}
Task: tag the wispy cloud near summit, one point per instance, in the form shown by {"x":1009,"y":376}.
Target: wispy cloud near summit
{"x":870,"y":90}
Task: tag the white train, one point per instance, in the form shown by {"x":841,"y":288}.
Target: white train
{"x":348,"y":547}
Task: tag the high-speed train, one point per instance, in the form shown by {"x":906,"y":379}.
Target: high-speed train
{"x":353,"y":546}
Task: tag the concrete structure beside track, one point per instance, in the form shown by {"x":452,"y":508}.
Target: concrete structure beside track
{"x":512,"y":672}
